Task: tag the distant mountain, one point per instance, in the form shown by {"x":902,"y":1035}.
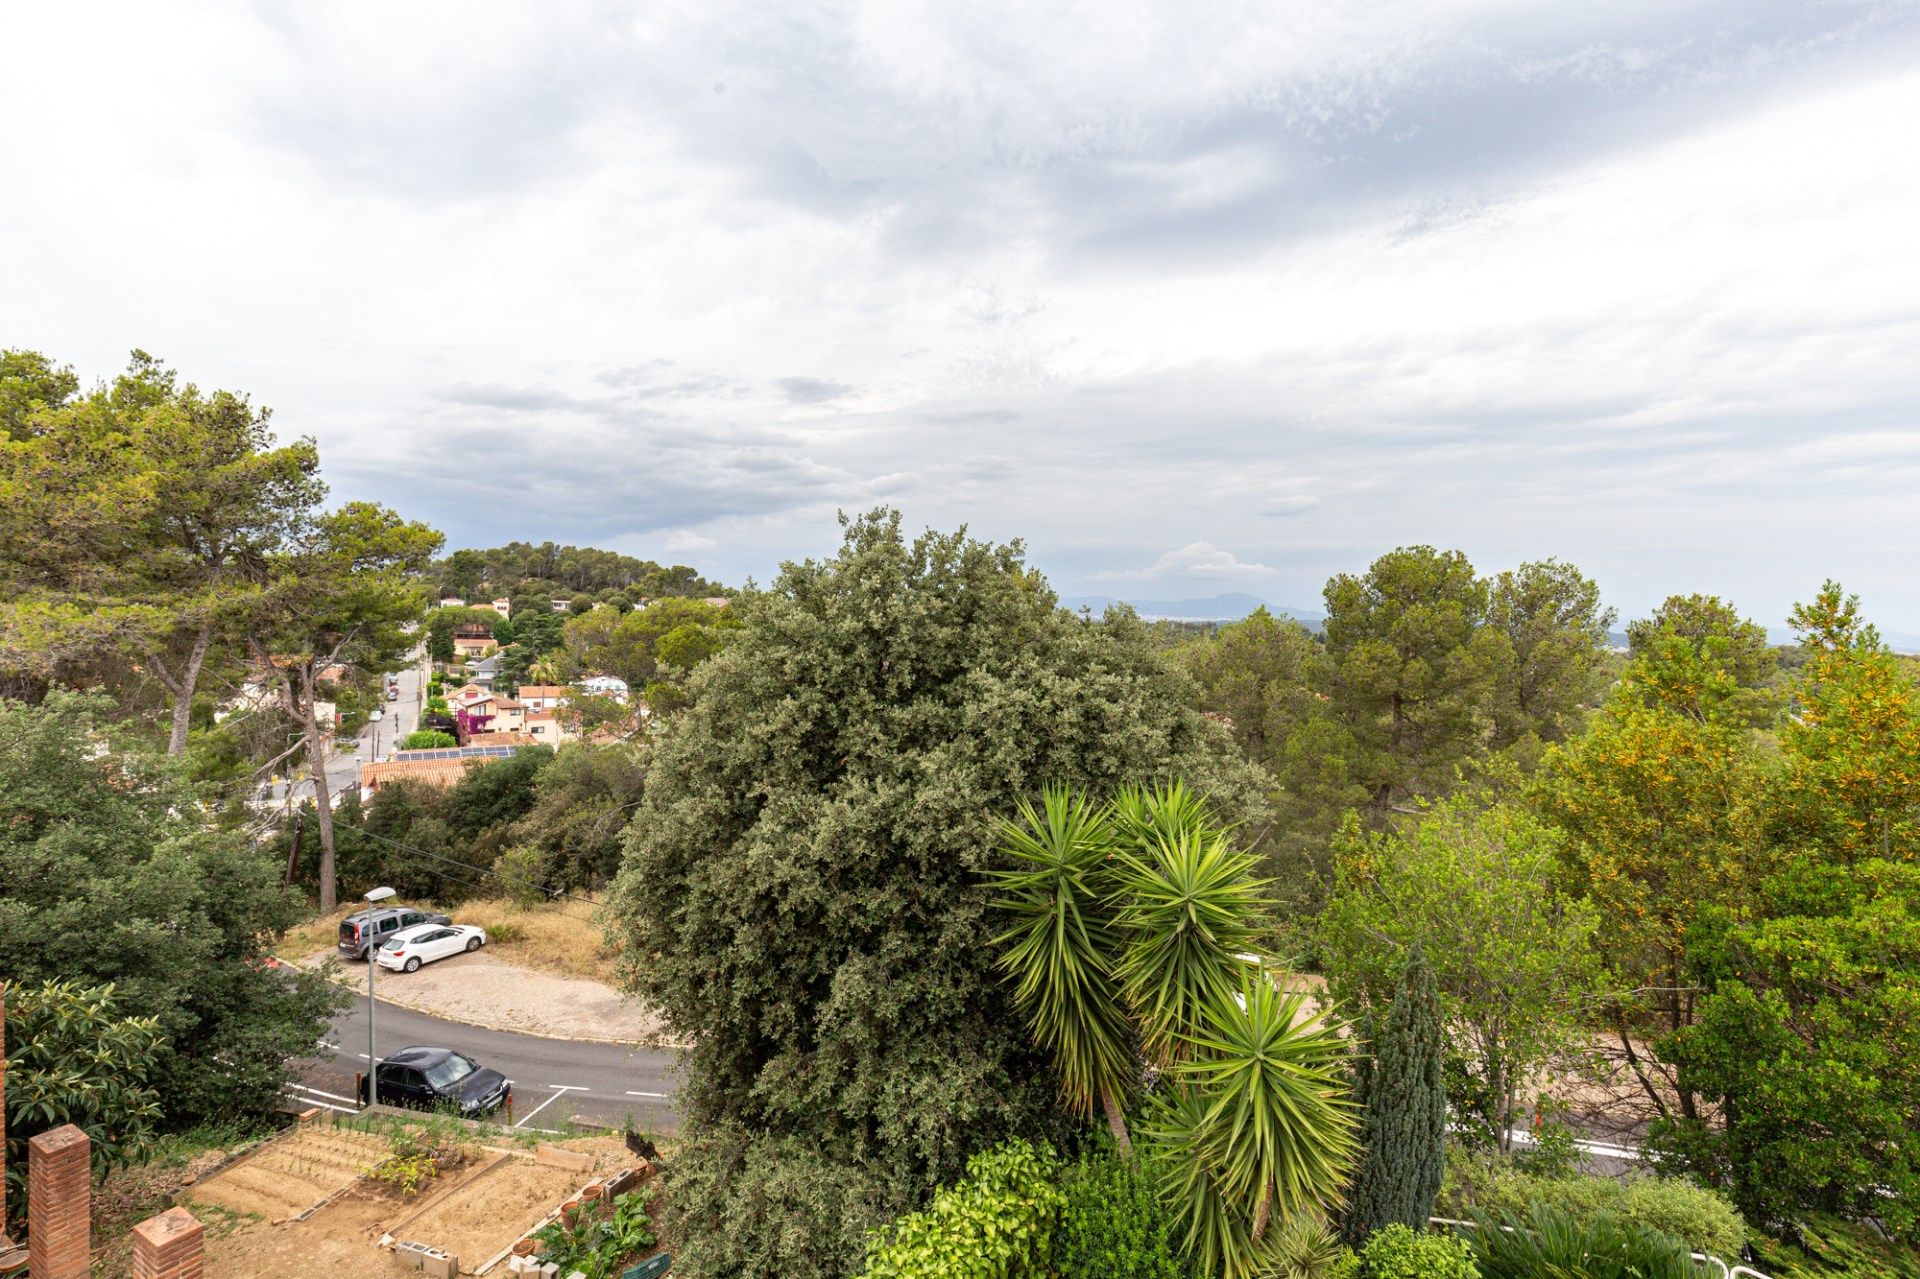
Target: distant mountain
{"x":1214,"y":608}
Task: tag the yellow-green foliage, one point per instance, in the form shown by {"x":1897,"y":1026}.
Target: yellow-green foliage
{"x":997,"y":1222}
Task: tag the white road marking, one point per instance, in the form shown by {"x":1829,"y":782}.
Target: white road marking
{"x":318,"y":1093}
{"x":309,"y":1101}
{"x":661,"y":1095}
{"x":557,"y":1093}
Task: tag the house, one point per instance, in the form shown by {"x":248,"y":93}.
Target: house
{"x":453,"y":601}
{"x":508,"y":716}
{"x":605,"y":686}
{"x":473,"y":639}
{"x":485,"y":670}
{"x":503,"y":606}
{"x":545,"y":728}
{"x":444,"y":766}
{"x":718,"y":601}
{"x":544,"y":697}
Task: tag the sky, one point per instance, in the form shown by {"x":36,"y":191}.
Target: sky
{"x":1191,"y":298}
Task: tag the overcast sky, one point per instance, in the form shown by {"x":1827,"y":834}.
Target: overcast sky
{"x":1192,"y":298}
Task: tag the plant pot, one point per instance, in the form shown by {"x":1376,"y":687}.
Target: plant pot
{"x":524,"y":1248}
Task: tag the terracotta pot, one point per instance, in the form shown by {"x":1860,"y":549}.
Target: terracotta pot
{"x":594,"y":1193}
{"x":524,"y":1248}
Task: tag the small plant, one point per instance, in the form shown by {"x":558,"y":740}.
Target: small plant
{"x":416,"y":1154}
{"x":1553,"y":1154}
{"x":596,"y":1242}
{"x":1395,"y":1252}
{"x":1114,"y":1223}
{"x":996,"y":1222}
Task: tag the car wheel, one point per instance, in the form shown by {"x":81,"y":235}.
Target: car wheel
{"x":413,"y":965}
{"x":473,"y":944}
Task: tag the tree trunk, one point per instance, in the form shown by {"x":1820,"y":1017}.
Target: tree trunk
{"x":1263,"y":1211}
{"x":183,"y":689}
{"x":1118,"y":1123}
{"x":322,"y":800}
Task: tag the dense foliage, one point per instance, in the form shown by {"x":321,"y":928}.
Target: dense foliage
{"x":1547,"y":1241}
{"x":520,"y":568}
{"x":997,"y":1222}
{"x":106,"y":876}
{"x":803,"y":878}
{"x":72,"y":1058}
{"x":1396,"y":1252}
{"x":1472,"y":883}
{"x":1701,"y":1218}
{"x":1405,"y":1123}
{"x":1113,"y":1221}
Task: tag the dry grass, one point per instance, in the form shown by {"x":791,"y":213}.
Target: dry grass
{"x":556,"y":937}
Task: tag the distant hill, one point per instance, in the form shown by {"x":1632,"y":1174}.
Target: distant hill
{"x":1213,"y":608}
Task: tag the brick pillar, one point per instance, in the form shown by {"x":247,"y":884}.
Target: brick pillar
{"x":60,"y":1205}
{"x":167,"y":1246}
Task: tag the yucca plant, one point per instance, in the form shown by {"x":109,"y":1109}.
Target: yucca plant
{"x":1547,"y":1243}
{"x":1058,"y":952}
{"x":1190,"y":910}
{"x":1258,"y":1121}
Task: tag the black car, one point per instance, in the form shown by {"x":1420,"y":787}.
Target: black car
{"x":365,"y":927}
{"x":440,"y":1078}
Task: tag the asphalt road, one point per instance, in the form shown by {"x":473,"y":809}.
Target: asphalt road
{"x":553,"y":1079}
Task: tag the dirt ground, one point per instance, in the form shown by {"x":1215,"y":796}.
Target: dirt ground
{"x":555,"y":937}
{"x":486,"y":989}
{"x":473,"y":1213}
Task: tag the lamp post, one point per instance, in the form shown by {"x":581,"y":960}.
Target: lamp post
{"x":373,"y":898}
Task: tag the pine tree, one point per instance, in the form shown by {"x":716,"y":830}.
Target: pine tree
{"x":1406,"y":1112}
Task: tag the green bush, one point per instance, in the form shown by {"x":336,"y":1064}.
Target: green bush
{"x":1829,"y":1248}
{"x":428,"y":739}
{"x":997,"y":1222}
{"x":1395,"y":1252}
{"x":1304,"y":1246}
{"x":1548,"y":1241}
{"x":1703,"y":1219}
{"x":1114,"y":1223}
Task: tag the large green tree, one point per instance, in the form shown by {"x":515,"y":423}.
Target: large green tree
{"x":802,"y":895}
{"x":345,"y":592}
{"x":181,"y":494}
{"x":1413,"y":668}
{"x":1474,"y":884}
{"x":1557,"y":632}
{"x":1808,"y":1044}
{"x":108,"y":874}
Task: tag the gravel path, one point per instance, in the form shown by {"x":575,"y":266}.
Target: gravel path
{"x":481,"y":990}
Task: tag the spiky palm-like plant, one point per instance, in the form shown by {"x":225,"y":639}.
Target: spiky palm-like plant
{"x":1058,"y":951}
{"x":1190,"y":909}
{"x":1258,"y":1121}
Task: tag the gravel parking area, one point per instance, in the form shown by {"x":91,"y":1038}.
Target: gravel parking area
{"x":480,"y":990}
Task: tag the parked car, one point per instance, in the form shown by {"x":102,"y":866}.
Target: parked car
{"x":409,"y":948}
{"x":367,"y":927}
{"x":393,"y":694}
{"x":376,"y":715}
{"x":433,"y":1078}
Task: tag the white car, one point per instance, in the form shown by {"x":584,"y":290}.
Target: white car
{"x":409,"y":948}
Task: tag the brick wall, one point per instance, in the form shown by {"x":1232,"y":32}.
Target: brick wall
{"x":59,"y":1204}
{"x":167,"y":1246}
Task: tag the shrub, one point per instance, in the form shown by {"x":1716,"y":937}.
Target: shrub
{"x":1549,"y":1241}
{"x":1703,"y":1219}
{"x":1395,"y":1252}
{"x":428,"y":739}
{"x":997,"y":1222}
{"x":1113,"y":1222}
{"x":1304,"y":1246}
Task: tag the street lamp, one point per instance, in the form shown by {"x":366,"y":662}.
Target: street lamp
{"x":373,"y":898}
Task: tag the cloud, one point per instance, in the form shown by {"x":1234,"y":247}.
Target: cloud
{"x":1195,"y":562}
{"x":812,"y":390}
{"x":1630,"y":284}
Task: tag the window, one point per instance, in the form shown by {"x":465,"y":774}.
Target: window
{"x":387,"y":925}
{"x":445,"y":1074}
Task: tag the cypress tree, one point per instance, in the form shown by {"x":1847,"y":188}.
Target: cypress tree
{"x":1406,"y":1112}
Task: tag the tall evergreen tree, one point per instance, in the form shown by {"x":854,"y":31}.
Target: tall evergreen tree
{"x":1406,"y":1112}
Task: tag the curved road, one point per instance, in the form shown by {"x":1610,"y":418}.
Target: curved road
{"x":553,"y":1079}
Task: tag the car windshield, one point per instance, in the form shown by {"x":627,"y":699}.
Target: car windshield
{"x":445,"y":1074}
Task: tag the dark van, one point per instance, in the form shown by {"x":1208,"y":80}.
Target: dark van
{"x":365,"y":928}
